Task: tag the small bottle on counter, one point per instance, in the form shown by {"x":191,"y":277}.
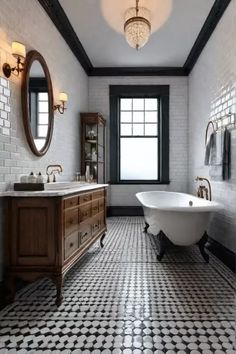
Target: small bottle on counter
{"x":24,"y":179}
{"x":77,"y":176}
{"x":39,"y":178}
{"x":87,"y":174}
{"x":32,"y":178}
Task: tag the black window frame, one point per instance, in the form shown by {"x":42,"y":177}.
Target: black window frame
{"x":162,"y":92}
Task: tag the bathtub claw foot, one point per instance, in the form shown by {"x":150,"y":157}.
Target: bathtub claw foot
{"x":201,"y":245}
{"x":146,"y":227}
{"x":163,"y":241}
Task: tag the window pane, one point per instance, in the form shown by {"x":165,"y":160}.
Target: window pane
{"x":126,"y":129}
{"x":43,"y":118}
{"x":138,"y":117}
{"x":43,"y":96}
{"x":126,"y":104}
{"x":150,"y":104}
{"x":138,"y":104}
{"x":138,"y":159}
{"x":126,"y":117}
{"x":42,"y":131}
{"x":151,"y":117}
{"x":138,"y":129}
{"x":150,"y":129}
{"x":43,"y":106}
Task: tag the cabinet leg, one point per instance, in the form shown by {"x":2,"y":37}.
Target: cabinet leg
{"x":58,"y":281}
{"x":201,"y":245}
{"x":101,"y":240}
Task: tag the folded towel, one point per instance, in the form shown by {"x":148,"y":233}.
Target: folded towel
{"x":209,"y":147}
{"x":219,"y":156}
{"x":226,"y":154}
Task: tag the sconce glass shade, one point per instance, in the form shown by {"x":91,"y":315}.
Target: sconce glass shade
{"x":137,"y":29}
{"x":63,"y":97}
{"x":18,"y":50}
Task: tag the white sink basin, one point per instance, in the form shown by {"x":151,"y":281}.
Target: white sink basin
{"x":63,"y":185}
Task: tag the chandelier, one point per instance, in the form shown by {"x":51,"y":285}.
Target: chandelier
{"x":137,"y":26}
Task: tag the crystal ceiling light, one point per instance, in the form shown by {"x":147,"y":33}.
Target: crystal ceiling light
{"x":137,"y":26}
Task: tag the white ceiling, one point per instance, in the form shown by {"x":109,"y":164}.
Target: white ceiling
{"x":99,"y":26}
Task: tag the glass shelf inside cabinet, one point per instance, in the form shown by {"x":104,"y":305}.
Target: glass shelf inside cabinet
{"x":93,"y":145}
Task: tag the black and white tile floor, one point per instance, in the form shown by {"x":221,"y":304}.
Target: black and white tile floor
{"x":120,"y":299}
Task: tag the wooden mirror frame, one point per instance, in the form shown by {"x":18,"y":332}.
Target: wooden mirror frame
{"x":30,"y":58}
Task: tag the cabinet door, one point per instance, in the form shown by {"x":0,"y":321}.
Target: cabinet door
{"x":32,"y":240}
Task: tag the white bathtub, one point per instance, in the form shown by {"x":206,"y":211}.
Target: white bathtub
{"x":183,"y":218}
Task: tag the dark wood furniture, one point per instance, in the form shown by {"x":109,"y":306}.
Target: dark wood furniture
{"x":93,"y":145}
{"x":48,"y":235}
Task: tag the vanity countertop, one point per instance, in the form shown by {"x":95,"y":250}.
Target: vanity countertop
{"x":52,"y":193}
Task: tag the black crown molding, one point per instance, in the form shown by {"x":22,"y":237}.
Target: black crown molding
{"x":210,"y":24}
{"x":62,"y":23}
{"x":139,"y":71}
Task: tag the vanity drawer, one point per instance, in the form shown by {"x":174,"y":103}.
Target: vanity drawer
{"x":85,"y":233}
{"x":71,"y":221}
{"x":70,"y":202}
{"x":101,"y":204}
{"x":95,"y":207}
{"x":71,"y":244}
{"x":98,"y":194}
{"x":84,"y":198}
{"x":84,"y":212}
{"x":96,"y":225}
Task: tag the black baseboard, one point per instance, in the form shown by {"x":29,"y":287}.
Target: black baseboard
{"x":224,"y":254}
{"x":124,"y":211}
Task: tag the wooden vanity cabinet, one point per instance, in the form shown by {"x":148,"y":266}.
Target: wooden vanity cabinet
{"x":46,"y":236}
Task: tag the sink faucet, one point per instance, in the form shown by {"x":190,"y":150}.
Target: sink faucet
{"x":52,"y":170}
{"x":204,"y":189}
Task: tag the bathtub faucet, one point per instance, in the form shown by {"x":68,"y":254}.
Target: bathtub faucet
{"x":204,"y":190}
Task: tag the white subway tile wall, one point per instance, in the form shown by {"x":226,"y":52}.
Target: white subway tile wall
{"x":212,"y":95}
{"x":4,"y":107}
{"x":99,"y":101}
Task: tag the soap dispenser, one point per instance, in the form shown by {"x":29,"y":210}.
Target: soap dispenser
{"x":32,"y":178}
{"x":39,"y":178}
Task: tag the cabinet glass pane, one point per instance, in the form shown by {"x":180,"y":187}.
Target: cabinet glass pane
{"x":138,"y":158}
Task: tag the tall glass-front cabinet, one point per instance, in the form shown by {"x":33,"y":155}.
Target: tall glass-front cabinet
{"x":93,"y":146}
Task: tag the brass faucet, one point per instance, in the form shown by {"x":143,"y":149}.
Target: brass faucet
{"x":204,"y":190}
{"x":53,"y":170}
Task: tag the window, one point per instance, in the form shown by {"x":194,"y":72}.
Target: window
{"x":139,"y":124}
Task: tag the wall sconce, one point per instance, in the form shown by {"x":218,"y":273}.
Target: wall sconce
{"x":18,"y":51}
{"x":63,"y":97}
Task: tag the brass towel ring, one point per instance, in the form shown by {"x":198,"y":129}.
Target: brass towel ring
{"x":207,"y":128}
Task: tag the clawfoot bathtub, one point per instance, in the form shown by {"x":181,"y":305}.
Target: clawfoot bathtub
{"x":177,"y":218}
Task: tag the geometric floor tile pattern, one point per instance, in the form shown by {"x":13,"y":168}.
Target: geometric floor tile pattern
{"x":120,"y":299}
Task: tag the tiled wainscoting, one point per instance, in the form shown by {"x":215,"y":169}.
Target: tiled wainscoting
{"x":120,"y":299}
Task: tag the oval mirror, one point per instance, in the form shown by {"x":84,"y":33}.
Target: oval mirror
{"x":37,"y":103}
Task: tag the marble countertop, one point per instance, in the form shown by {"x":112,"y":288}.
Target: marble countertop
{"x":52,"y":193}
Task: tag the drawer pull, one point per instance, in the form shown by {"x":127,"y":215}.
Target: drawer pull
{"x":85,"y":234}
{"x":71,"y":244}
